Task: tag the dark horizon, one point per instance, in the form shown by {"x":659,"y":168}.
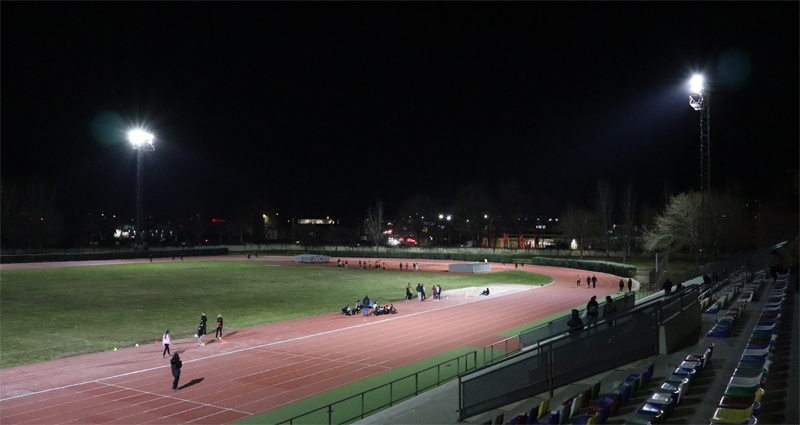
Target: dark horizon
{"x":320,"y":110}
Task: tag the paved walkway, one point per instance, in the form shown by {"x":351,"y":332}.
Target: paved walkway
{"x":782,"y":391}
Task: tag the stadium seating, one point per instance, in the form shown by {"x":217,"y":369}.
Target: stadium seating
{"x":741,"y":401}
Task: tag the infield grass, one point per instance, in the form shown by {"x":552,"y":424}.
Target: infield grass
{"x":52,"y":313}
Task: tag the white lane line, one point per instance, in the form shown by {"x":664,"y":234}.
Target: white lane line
{"x":176,"y":398}
{"x":262,"y":346}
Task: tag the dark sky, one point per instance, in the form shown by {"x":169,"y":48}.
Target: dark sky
{"x":320,"y":109}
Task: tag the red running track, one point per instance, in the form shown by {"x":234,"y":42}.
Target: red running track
{"x":264,"y":367}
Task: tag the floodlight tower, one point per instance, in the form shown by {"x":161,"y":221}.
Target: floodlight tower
{"x":142,"y":142}
{"x":699,"y":100}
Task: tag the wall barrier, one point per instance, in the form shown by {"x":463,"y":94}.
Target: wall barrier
{"x":551,"y":358}
{"x":559,"y":362}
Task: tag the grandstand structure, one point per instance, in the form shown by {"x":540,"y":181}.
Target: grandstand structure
{"x":715,"y":352}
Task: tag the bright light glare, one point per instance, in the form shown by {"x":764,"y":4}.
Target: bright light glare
{"x":140,"y":137}
{"x":696,"y":84}
{"x":441,"y":216}
{"x":449,"y":217}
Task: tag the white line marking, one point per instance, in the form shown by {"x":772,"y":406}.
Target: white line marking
{"x":176,"y":398}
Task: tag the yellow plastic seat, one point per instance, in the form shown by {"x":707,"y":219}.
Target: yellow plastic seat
{"x":732,"y":416}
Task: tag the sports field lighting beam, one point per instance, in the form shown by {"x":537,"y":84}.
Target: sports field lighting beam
{"x":142,"y":142}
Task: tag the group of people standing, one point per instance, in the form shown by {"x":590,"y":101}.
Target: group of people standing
{"x":176,"y":363}
{"x":592,"y":312}
{"x":421,"y":293}
{"x":591,"y":282}
{"x":379,"y":265}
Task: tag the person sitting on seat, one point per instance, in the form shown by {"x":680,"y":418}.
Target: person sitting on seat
{"x":346,"y":310}
{"x":486,"y":292}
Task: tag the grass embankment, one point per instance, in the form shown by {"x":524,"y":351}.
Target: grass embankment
{"x":52,"y":313}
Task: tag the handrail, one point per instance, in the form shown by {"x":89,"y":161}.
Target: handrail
{"x":328,"y":408}
{"x":506,"y":352}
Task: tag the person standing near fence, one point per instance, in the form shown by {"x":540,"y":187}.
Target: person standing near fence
{"x":592,"y":311}
{"x":609,"y":309}
{"x":575,"y":323}
{"x":621,"y":285}
{"x":630,"y":285}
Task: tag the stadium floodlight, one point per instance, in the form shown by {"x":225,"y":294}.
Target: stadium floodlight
{"x":142,"y":141}
{"x":449,"y":217}
{"x":696,"y":84}
{"x":441,"y":216}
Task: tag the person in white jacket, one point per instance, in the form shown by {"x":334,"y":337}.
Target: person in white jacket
{"x":167,"y":341}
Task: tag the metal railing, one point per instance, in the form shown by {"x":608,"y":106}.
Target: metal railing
{"x":387,"y":395}
{"x":506,"y":351}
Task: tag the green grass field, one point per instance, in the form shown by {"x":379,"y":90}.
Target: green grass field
{"x":52,"y":313}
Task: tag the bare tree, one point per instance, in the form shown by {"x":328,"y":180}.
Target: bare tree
{"x":604,"y":201}
{"x":628,"y":215}
{"x":578,"y":224}
{"x":374,"y":223}
{"x":678,"y":226}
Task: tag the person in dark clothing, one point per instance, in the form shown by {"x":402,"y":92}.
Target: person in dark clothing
{"x":151,"y":258}
{"x":667,"y":288}
{"x":592,"y":311}
{"x":346,"y":310}
{"x":357,"y":308}
{"x":486,"y":292}
{"x":248,"y":255}
{"x":419,"y":292}
{"x":181,"y":256}
{"x":408,"y":291}
{"x":575,"y":323}
{"x":630,"y":285}
{"x":588,"y":282}
{"x":609,"y":309}
{"x":579,"y":281}
{"x":621,"y":285}
{"x":200,"y":335}
{"x":679,"y":287}
{"x":203,"y":320}
{"x":594,"y":281}
{"x":176,"y":370}
{"x":366,"y":305}
{"x":218,"y":333}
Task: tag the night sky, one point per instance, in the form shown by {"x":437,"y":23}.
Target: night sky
{"x":320,"y":109}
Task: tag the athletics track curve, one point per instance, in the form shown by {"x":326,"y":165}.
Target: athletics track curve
{"x":264,"y":367}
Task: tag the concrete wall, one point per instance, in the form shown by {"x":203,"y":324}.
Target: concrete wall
{"x":674,"y":331}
